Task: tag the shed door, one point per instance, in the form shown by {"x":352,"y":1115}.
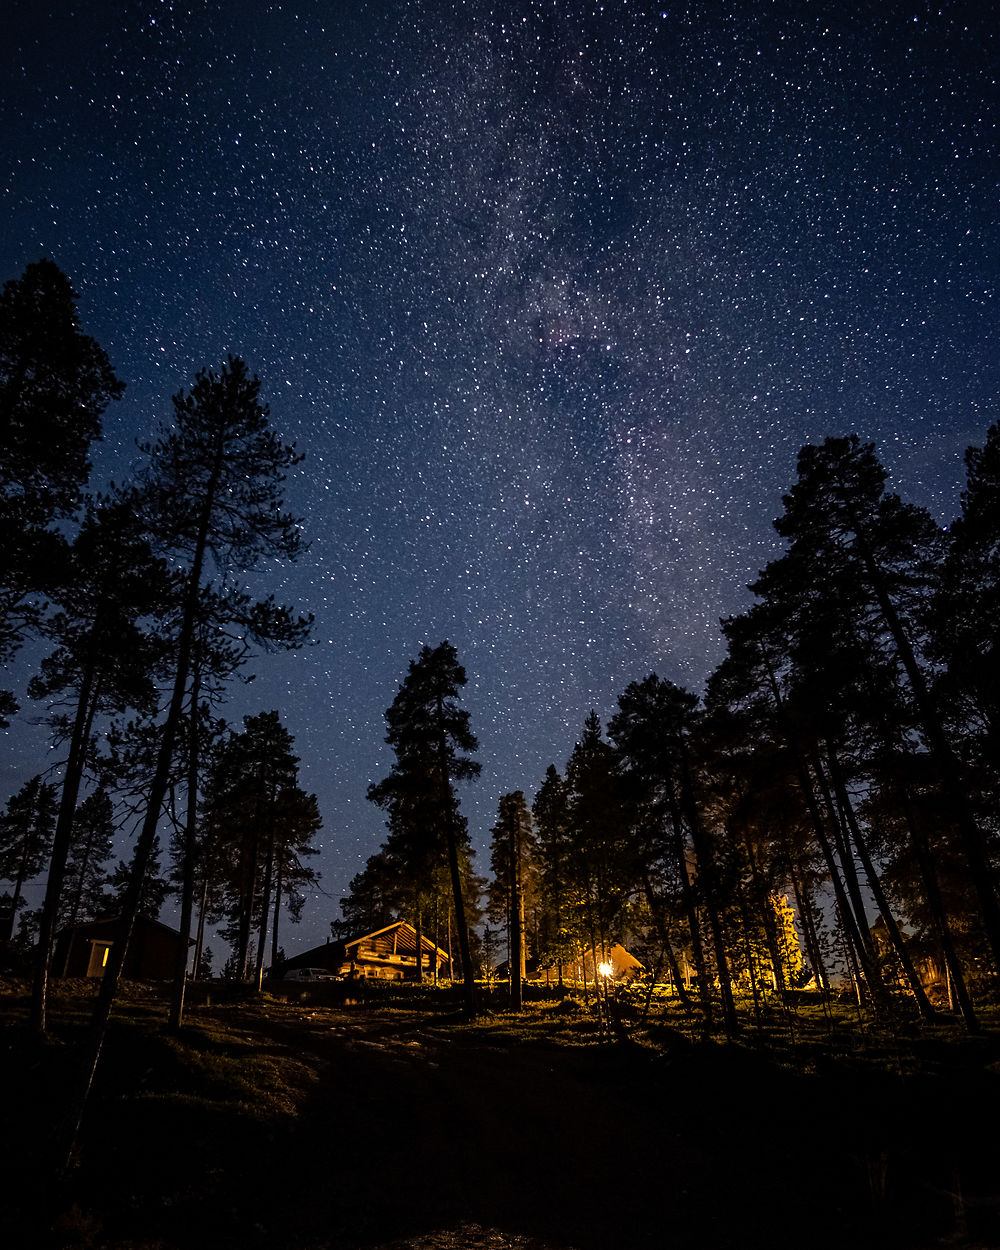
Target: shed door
{"x":99,"y":952}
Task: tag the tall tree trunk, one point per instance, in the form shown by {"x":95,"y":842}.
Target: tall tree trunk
{"x":846,"y":858}
{"x":279,"y":886}
{"x":803,"y":908}
{"x":516,"y":963}
{"x":969,"y":832}
{"x":447,"y":798}
{"x":848,"y":919}
{"x":246,"y":903}
{"x":434,"y":959}
{"x":704,"y":854}
{"x":265,"y":903}
{"x":665,"y":944}
{"x":939,"y":915}
{"x":748,"y":954}
{"x":147,"y":836}
{"x":199,"y":942}
{"x":86,"y":708}
{"x":22,"y":874}
{"x":188,"y":853}
{"x":688,"y":902}
{"x":875,"y":885}
{"x":765,"y":907}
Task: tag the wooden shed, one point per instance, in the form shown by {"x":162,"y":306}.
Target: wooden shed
{"x":83,"y":950}
{"x":388,"y":954}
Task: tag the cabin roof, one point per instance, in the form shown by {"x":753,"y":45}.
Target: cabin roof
{"x":102,"y":922}
{"x":404,"y":927}
{"x":343,"y":947}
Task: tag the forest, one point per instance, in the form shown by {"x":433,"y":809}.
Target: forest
{"x":823,"y":818}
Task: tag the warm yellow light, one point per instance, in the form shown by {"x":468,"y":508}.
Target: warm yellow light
{"x":606,"y":970}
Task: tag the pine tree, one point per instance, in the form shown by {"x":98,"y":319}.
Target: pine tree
{"x":430,"y":735}
{"x":512,"y":856}
{"x":646,"y":732}
{"x":55,"y":383}
{"x":86,"y":881}
{"x":297,"y":822}
{"x":964,"y":623}
{"x":212,"y":494}
{"x":550,"y":810}
{"x":258,"y":816}
{"x":104,"y":661}
{"x":26,"y":829}
{"x":600,"y":865}
{"x":154,"y":888}
{"x":203,"y":968}
{"x":375,"y":898}
{"x":859,"y":555}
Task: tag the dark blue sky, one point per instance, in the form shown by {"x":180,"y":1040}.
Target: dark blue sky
{"x":549,"y":295}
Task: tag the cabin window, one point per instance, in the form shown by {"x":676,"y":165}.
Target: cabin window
{"x":98,"y":962}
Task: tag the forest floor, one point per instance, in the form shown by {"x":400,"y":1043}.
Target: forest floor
{"x":304,"y":1126}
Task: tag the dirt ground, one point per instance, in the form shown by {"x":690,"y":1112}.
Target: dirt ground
{"x":407,"y":1129}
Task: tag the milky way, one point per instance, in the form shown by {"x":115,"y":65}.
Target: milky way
{"x":549,"y":295}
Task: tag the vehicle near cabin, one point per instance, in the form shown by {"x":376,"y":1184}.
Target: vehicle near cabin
{"x":309,"y":974}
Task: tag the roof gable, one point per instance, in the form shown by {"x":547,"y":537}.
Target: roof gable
{"x":405,"y":935}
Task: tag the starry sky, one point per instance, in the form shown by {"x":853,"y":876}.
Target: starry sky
{"x":550,"y":294}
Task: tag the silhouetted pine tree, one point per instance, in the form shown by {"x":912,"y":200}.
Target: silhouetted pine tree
{"x":550,"y":811}
{"x":86,"y":880}
{"x":964,"y":625}
{"x":55,"y":383}
{"x":863,"y":559}
{"x":600,"y":863}
{"x":154,"y":888}
{"x":252,"y":772}
{"x":211,"y":496}
{"x":26,"y":829}
{"x":512,"y":856}
{"x":430,"y":735}
{"x":104,"y":663}
{"x":645,"y":732}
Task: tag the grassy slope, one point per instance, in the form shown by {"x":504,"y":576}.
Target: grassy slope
{"x":299,"y":1126}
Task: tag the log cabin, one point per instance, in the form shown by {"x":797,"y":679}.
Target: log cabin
{"x":388,"y":954}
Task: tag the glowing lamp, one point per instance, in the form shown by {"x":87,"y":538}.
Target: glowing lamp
{"x":606,"y":970}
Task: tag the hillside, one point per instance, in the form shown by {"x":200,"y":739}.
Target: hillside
{"x":300,"y":1126}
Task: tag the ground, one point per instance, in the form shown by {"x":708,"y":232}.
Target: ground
{"x":304,"y":1126}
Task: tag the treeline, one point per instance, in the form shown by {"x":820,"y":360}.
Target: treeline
{"x":135,"y":598}
{"x":842,"y":768}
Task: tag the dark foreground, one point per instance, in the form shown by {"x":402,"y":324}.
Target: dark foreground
{"x":295,"y":1126}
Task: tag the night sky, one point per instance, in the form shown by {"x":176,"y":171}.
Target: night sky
{"x":549,"y":294}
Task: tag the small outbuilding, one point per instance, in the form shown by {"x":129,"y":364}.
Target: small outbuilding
{"x":83,"y":950}
{"x":615,"y":963}
{"x":388,"y":954}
